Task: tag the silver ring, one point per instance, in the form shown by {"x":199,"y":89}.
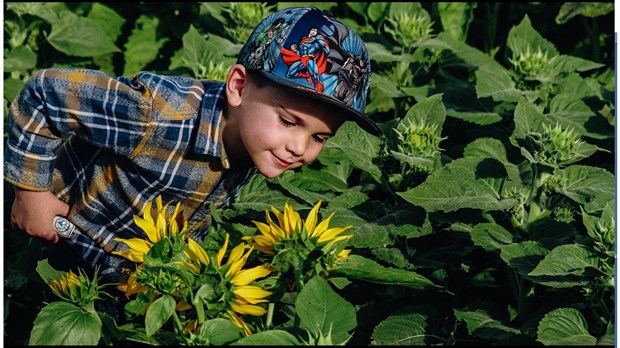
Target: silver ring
{"x":63,"y":227}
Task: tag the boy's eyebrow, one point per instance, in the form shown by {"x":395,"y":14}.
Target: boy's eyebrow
{"x":300,"y":119}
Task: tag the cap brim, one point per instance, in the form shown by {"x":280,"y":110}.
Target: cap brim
{"x":364,"y":122}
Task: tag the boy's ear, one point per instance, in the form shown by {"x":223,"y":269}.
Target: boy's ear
{"x":236,"y":81}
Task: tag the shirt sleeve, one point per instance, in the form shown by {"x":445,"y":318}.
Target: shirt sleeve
{"x":109,"y":112}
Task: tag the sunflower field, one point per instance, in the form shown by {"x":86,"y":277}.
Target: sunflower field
{"x":483,"y":215}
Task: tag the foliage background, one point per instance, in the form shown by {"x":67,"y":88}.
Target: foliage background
{"x":184,"y":39}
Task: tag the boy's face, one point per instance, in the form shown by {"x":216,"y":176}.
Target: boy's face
{"x":282,"y":130}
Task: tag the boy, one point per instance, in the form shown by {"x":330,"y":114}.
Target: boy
{"x":95,"y":149}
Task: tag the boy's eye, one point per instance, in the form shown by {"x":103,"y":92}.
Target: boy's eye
{"x":319,"y":139}
{"x":285,"y":122}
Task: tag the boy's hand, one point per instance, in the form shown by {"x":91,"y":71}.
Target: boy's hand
{"x":33,"y":212}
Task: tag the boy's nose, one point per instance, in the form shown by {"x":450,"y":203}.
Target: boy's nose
{"x":296,"y":146}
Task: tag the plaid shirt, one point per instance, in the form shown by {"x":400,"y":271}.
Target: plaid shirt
{"x":128,"y":141}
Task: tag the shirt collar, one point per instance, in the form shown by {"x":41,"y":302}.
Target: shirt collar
{"x":209,"y":136}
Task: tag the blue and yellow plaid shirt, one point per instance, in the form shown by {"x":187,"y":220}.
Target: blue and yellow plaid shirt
{"x":108,"y":145}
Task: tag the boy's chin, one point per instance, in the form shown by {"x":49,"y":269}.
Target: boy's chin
{"x":270,"y":173}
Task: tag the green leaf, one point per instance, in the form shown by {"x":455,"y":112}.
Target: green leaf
{"x":481,"y":324}
{"x":47,"y":10}
{"x":62,"y":323}
{"x":491,"y":236}
{"x":528,"y":119}
{"x":47,"y":272}
{"x":360,"y":268}
{"x":269,"y":338}
{"x":323,"y":312}
{"x":563,"y":64}
{"x":492,"y":79}
{"x":20,"y":59}
{"x":198,"y":52}
{"x":568,"y":259}
{"x":550,"y":233}
{"x":383,"y":92}
{"x":523,"y":256}
{"x":588,"y":9}
{"x":360,"y":147}
{"x":256,"y":195}
{"x":142,"y":45}
{"x":573,"y":113}
{"x":585,"y":184}
{"x":401,"y":329}
{"x":493,"y":148}
{"x":460,"y":185}
{"x":524,"y":37}
{"x":158,"y":313}
{"x":430,"y":110}
{"x":12,"y":87}
{"x":380,"y":53}
{"x":220,"y":331}
{"x":108,"y":19}
{"x":79,"y":36}
{"x":376,"y":10}
{"x":456,"y":18}
{"x":133,"y":332}
{"x":564,"y":327}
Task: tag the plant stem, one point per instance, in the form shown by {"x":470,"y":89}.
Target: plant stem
{"x":177,"y":323}
{"x":270,"y":308}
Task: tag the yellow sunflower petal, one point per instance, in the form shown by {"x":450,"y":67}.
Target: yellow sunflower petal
{"x":236,"y":253}
{"x":312,"y":218}
{"x":174,"y":226}
{"x":252,"y":294}
{"x":137,"y":249}
{"x":265,"y":230}
{"x":263,"y":244}
{"x":322,"y":227}
{"x":133,"y":286}
{"x":343,"y":254}
{"x":292,"y":219}
{"x":332,"y":233}
{"x":276,"y":230}
{"x":146,"y":213}
{"x":238,"y":261}
{"x":72,"y":278}
{"x":336,"y":240}
{"x":221,"y":253}
{"x":161,"y":226}
{"x":198,"y":252}
{"x":189,"y":266}
{"x":248,"y":309}
{"x":56,"y":286}
{"x":159,"y":205}
{"x":240,"y":323}
{"x":148,"y":227}
{"x":246,"y":276}
{"x":279,"y":217}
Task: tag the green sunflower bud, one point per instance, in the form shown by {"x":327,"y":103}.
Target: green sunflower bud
{"x":408,"y":29}
{"x":418,"y":139}
{"x":530,"y":63}
{"x":245,"y":15}
{"x":558,"y":147}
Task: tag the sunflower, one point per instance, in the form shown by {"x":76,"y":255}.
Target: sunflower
{"x":290,"y":225}
{"x":246,"y":296}
{"x":77,"y":288}
{"x":65,"y":287}
{"x":155,"y":229}
{"x":243,"y":298}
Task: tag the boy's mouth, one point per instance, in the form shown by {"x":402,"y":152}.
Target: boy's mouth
{"x":280,"y":162}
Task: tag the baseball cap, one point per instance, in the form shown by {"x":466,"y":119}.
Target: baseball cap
{"x":308,"y":51}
